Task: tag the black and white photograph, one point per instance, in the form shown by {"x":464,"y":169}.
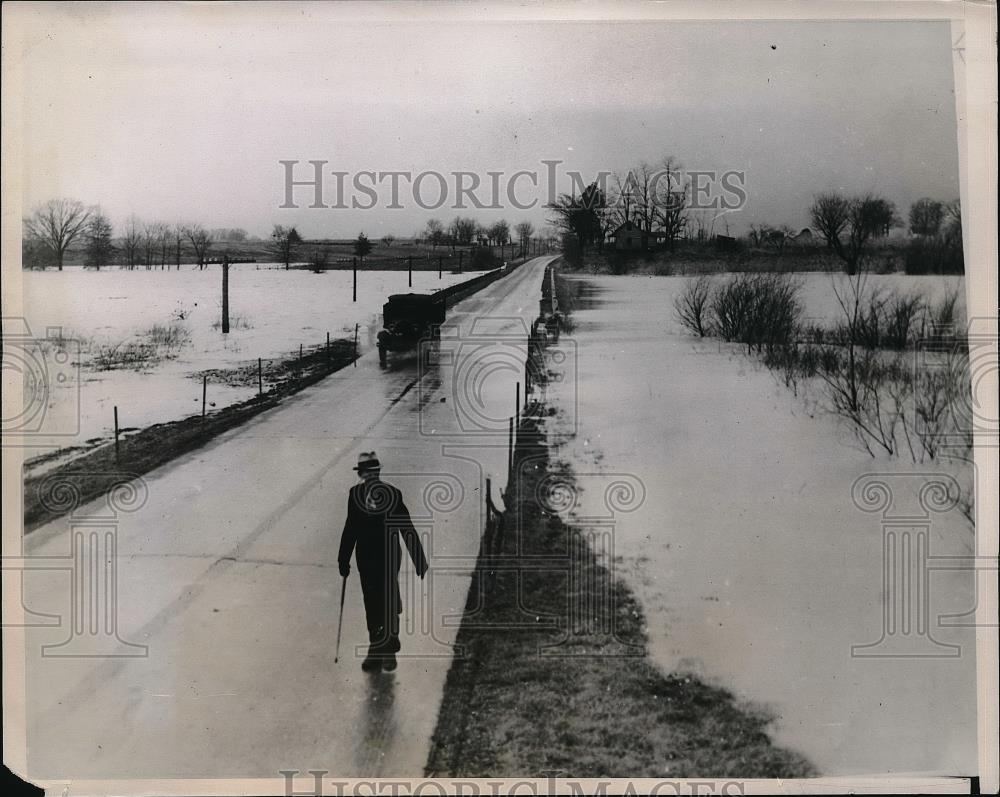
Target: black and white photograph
{"x":486,"y":398}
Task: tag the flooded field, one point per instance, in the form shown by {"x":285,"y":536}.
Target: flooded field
{"x":139,"y":340}
{"x":755,"y":566}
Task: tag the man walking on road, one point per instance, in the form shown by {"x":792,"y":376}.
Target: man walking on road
{"x":376,"y":517}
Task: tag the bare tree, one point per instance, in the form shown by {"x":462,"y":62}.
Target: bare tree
{"x":131,"y":241}
{"x":953,"y":213}
{"x":285,"y":242}
{"x":151,"y":234}
{"x":580,"y":217}
{"x":881,"y":215}
{"x":607,"y":223}
{"x":163,"y":239}
{"x":155,"y":239}
{"x":621,"y":201}
{"x":56,"y":224}
{"x":829,"y":214}
{"x":177,"y":239}
{"x":499,"y":232}
{"x":317,"y":259}
{"x":670,"y":200}
{"x":854,"y":373}
{"x":849,"y":224}
{"x":464,"y":229}
{"x":524,"y":231}
{"x":645,"y":187}
{"x":635,"y":199}
{"x":362,"y":246}
{"x":766,"y":235}
{"x":653,"y":197}
{"x":780,"y":236}
{"x":100,"y":248}
{"x":692,"y":306}
{"x":434,"y":232}
{"x":926,"y":216}
{"x":704,"y":224}
{"x":758,"y":233}
{"x":201,"y":242}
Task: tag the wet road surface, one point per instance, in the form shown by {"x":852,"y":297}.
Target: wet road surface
{"x":214,"y":586}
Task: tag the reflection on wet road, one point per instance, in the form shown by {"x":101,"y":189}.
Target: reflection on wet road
{"x":226,"y":570}
{"x":378,"y":723}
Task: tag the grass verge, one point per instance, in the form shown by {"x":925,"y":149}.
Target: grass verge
{"x":593,"y":705}
{"x":61,"y":489}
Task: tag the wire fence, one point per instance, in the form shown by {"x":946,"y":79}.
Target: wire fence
{"x":529,"y":407}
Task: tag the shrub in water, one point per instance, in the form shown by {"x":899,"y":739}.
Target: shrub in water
{"x":692,"y":306}
{"x":760,"y":310}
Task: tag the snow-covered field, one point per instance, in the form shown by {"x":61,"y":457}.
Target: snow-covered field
{"x":272,"y":312}
{"x":755,"y":567}
{"x":819,"y":291}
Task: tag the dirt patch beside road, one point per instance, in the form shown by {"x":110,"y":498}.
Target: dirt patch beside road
{"x":538,"y":684}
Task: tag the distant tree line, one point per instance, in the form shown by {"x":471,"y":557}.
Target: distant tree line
{"x":56,"y":226}
{"x":465,"y":231}
{"x":652,"y":203}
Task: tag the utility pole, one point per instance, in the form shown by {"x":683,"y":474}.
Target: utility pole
{"x":225,"y":294}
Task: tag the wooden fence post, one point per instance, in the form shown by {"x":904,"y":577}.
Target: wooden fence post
{"x":517,"y":407}
{"x":117,"y":449}
{"x":510,"y":451}
{"x":489,"y":518}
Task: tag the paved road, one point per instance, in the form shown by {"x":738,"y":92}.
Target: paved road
{"x":226,"y":572}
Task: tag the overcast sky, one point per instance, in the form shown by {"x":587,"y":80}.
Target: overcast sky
{"x":184,"y":112}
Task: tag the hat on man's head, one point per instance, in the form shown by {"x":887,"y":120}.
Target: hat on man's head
{"x":367,"y":460}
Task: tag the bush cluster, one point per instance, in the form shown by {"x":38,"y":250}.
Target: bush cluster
{"x":894,"y":366}
{"x":759,"y":310}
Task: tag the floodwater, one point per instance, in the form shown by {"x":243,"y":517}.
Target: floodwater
{"x":755,"y":567}
{"x":272,"y":312}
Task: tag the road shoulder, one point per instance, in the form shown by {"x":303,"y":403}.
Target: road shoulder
{"x":551,"y":672}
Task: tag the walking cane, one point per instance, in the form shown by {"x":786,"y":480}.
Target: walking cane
{"x":340,"y":622}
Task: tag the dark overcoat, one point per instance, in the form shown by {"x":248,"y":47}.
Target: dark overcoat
{"x":376,"y":519}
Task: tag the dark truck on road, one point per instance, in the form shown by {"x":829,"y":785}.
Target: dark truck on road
{"x":407,"y":319}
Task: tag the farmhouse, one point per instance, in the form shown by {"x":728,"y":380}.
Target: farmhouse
{"x":630,"y":237}
{"x":727,"y":243}
{"x":803,"y":237}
